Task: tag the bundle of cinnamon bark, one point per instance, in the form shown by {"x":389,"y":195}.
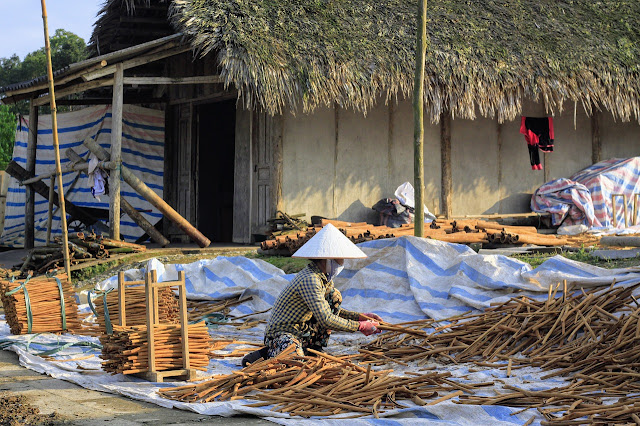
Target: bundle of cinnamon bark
{"x":40,"y":305}
{"x":126,"y":350}
{"x":135,"y":307}
{"x":322,"y":385}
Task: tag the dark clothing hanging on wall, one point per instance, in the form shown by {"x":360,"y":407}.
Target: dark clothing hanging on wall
{"x":538,"y":132}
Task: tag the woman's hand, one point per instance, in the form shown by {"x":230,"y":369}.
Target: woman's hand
{"x":370,"y":316}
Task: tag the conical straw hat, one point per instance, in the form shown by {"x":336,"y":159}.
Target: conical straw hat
{"x":329,"y":243}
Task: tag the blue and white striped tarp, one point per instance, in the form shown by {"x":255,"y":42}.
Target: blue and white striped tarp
{"x":585,"y":197}
{"x":142,"y":152}
{"x":401,"y":279}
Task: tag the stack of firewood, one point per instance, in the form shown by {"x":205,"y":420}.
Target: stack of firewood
{"x":323,"y":385}
{"x":135,"y":307}
{"x":453,"y":231}
{"x":126,"y":350}
{"x":82,"y":248}
{"x":38,"y":306}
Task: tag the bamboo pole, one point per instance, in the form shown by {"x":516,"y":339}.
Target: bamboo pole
{"x":418,"y":118}
{"x":56,"y":144}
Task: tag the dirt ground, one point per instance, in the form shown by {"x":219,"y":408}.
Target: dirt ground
{"x":15,"y":411}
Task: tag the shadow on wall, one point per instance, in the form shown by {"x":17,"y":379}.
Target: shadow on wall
{"x":358,"y":212}
{"x":515,"y":203}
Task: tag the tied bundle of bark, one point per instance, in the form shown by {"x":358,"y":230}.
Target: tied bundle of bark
{"x":126,"y":350}
{"x":323,"y":385}
{"x":135,"y":306}
{"x":40,"y":305}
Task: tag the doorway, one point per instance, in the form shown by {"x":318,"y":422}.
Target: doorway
{"x":216,"y":152}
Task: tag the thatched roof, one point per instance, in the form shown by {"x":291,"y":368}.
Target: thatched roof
{"x":483,"y":56}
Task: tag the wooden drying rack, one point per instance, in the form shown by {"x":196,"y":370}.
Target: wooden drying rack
{"x":151,"y":286}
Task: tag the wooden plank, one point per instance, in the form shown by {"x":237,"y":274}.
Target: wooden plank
{"x":242,"y":175}
{"x":184,"y":323}
{"x":77,"y":88}
{"x":205,"y":79}
{"x":150,"y":323}
{"x":29,"y":208}
{"x":116,"y":153}
{"x":445,"y":163}
{"x":135,"y":62}
{"x":121,"y":299}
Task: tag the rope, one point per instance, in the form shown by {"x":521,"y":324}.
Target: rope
{"x":27,"y":301}
{"x":107,"y":318}
{"x":63,"y":314}
{"x":55,"y":347}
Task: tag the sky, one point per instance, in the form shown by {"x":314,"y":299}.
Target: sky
{"x":21,"y":26}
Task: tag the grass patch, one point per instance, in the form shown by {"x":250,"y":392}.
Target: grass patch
{"x":92,"y":271}
{"x":289,"y":265}
{"x":582,"y":255}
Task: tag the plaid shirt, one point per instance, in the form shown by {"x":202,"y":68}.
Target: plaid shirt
{"x":304,"y":297}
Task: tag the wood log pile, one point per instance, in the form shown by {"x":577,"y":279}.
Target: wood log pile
{"x":37,"y":305}
{"x":135,"y":307}
{"x":82,"y":248}
{"x":126,"y":351}
{"x":323,"y":385}
{"x":453,"y":231}
{"x":589,"y":336}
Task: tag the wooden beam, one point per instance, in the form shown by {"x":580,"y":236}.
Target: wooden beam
{"x":445,"y":163}
{"x":15,"y":170}
{"x":596,"y":142}
{"x":135,"y":62}
{"x":107,"y":101}
{"x":116,"y":153}
{"x":204,"y":79}
{"x":65,"y":78}
{"x":77,"y":88}
{"x":29,"y":208}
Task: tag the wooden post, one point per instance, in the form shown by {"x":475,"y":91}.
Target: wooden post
{"x":445,"y":165}
{"x":418,"y":119}
{"x":116,"y":152}
{"x":29,"y":207}
{"x":184,"y":323}
{"x":151,"y":321}
{"x":50,"y":216}
{"x":596,"y":142}
{"x":56,"y":144}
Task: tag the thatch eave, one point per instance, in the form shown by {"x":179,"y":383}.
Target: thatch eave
{"x":483,"y":57}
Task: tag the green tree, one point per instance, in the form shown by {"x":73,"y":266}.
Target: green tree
{"x":7,"y":135}
{"x":66,"y":48}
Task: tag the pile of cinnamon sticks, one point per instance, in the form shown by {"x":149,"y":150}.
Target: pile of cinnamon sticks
{"x":126,"y":350}
{"x":453,"y":231}
{"x":322,"y":385}
{"x":590,"y":337}
{"x":40,"y":305}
